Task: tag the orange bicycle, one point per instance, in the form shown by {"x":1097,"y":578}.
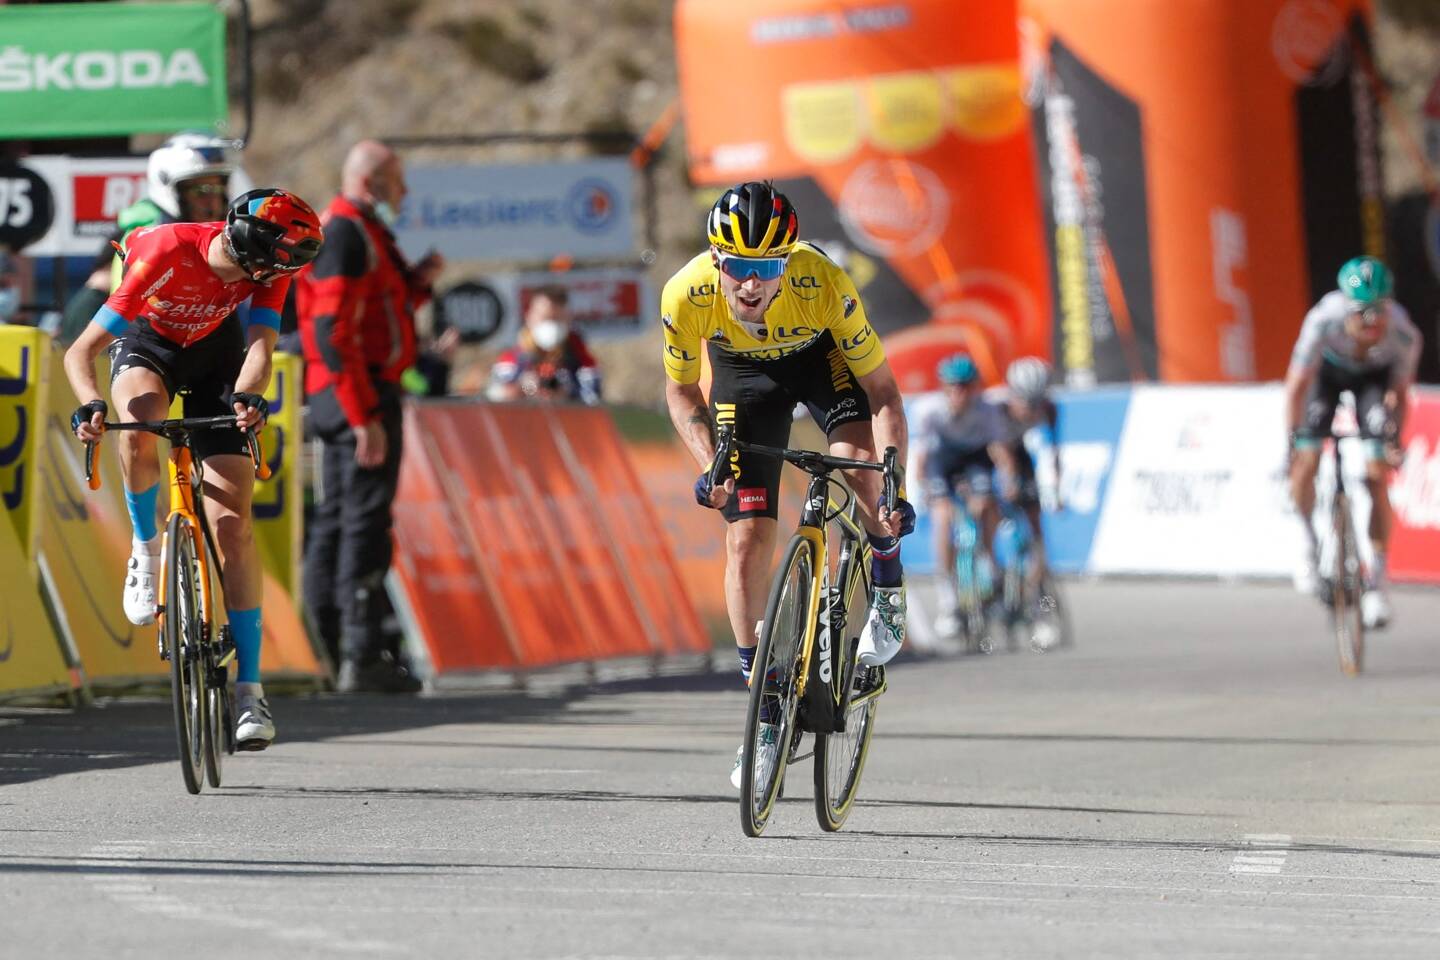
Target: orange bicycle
{"x":199,"y":651}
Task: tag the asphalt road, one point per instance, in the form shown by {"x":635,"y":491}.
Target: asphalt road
{"x":1194,"y":779}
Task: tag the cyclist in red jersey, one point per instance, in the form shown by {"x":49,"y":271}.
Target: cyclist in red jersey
{"x":175,"y":323}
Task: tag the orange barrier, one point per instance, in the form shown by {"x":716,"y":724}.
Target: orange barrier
{"x":436,"y":564}
{"x":1206,"y":170}
{"x":908,"y":119}
{"x":523,"y":523}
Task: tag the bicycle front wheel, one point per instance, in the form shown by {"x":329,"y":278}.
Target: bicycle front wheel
{"x":774,"y":686}
{"x":181,"y":627}
{"x":1346,"y":586}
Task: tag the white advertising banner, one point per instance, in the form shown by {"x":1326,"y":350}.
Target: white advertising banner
{"x":1199,"y":486}
{"x":89,"y":193}
{"x":525,"y":212}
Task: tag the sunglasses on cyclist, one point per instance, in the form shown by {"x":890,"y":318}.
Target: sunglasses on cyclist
{"x":743,"y":268}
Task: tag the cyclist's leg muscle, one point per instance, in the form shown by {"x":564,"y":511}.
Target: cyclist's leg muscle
{"x":139,"y":394}
{"x":229,"y":486}
{"x":855,"y":441}
{"x":749,"y":549}
{"x":1303,"y":468}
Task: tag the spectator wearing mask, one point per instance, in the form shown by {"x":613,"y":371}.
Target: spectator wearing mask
{"x":356,"y":309}
{"x":550,"y":361}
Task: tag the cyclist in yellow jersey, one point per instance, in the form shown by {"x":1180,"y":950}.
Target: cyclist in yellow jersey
{"x":782,"y":324}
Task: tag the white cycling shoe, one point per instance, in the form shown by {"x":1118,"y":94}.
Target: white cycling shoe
{"x":142,"y":570}
{"x":764,"y":760}
{"x":884,"y":632}
{"x":254,"y":727}
{"x":1375,"y":609}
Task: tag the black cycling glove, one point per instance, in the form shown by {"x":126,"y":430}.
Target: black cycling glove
{"x":85,"y":412}
{"x":255,"y":402}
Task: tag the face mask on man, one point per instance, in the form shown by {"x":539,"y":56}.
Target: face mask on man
{"x":386,"y":213}
{"x":9,"y":303}
{"x":549,"y":334}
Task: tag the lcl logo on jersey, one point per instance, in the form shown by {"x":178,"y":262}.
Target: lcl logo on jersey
{"x":703,"y":295}
{"x":806,"y":288}
{"x":850,"y":343}
{"x":784,"y":333}
{"x":678,"y":353}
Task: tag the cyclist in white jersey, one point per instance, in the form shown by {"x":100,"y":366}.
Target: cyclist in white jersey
{"x":1356,"y":339}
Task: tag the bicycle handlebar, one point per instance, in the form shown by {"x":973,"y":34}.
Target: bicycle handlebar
{"x":812,"y":462}
{"x":177,"y":431}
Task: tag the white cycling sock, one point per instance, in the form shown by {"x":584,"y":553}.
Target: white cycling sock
{"x":149,"y":548}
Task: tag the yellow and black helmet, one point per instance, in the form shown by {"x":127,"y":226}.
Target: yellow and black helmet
{"x":753,"y":220}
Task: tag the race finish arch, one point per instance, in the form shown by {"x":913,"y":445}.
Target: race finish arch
{"x":898,"y":131}
{"x":1204,"y":173}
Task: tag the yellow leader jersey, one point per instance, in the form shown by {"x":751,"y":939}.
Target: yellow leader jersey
{"x":815,"y":296}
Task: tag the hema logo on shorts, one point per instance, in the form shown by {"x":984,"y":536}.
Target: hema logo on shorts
{"x":752,"y":499}
{"x":99,"y":70}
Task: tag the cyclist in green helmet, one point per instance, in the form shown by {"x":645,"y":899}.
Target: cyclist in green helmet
{"x":1357,"y":339}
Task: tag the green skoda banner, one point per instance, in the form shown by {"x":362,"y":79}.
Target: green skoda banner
{"x":91,"y":69}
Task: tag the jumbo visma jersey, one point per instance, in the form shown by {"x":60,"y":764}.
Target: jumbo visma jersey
{"x":815,"y":296}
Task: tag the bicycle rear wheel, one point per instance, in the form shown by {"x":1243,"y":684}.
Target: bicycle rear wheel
{"x":181,"y":626}
{"x":774,"y":686}
{"x":1346,"y":586}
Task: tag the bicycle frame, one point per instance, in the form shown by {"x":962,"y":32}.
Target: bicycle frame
{"x":818,"y":512}
{"x":182,"y":502}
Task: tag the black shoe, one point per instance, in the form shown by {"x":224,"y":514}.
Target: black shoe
{"x":381,"y":675}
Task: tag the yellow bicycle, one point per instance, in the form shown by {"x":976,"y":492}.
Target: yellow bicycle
{"x":198,"y":650}
{"x":806,"y":676}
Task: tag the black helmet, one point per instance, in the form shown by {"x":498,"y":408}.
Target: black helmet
{"x":271,"y":231}
{"x":753,"y":220}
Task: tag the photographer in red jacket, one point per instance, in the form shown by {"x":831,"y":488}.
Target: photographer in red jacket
{"x":356,"y":308}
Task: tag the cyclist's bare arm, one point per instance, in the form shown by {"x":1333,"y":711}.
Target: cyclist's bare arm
{"x":80,"y":371}
{"x":887,"y":410}
{"x":691,"y":419}
{"x":692,"y":422}
{"x":255,"y":373}
{"x":1297,"y":385}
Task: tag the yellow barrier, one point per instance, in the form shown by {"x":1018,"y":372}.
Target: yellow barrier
{"x":84,"y":543}
{"x":30,"y":659}
{"x":24,"y":370}
{"x":278,"y":508}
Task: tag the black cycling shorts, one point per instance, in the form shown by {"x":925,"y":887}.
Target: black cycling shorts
{"x":953,"y":471}
{"x":1369,"y":388}
{"x":205,"y":372}
{"x":759,"y":396}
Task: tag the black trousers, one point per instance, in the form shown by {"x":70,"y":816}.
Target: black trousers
{"x":348,"y":549}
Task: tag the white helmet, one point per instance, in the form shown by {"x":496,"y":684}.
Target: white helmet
{"x":1028,"y":378}
{"x":185,"y":156}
